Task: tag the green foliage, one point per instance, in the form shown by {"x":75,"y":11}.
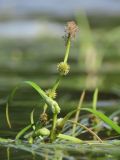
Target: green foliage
{"x":7,"y":116}
{"x":53,"y":104}
{"x":32,"y":119}
{"x":52,"y":130}
{"x":106,"y":119}
{"x":22,"y":132}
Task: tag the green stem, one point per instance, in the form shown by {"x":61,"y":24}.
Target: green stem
{"x":78,"y":112}
{"x":57,"y":83}
{"x":88,"y":129}
{"x":8,"y":153}
{"x":52,"y":134}
{"x":60,"y":77}
{"x":4,"y":140}
{"x":45,"y":107}
{"x":67,"y":50}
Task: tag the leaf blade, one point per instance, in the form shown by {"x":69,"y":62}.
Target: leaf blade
{"x":104,"y":118}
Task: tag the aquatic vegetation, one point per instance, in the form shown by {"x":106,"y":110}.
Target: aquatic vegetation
{"x":47,"y":130}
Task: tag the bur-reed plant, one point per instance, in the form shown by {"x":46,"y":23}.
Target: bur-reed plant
{"x":45,"y":130}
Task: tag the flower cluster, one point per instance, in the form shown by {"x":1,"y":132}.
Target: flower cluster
{"x":71,"y":29}
{"x":43,"y":118}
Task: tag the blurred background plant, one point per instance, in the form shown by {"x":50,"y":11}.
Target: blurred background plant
{"x":92,"y":59}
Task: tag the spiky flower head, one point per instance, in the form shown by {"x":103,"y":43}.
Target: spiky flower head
{"x":63,"y":68}
{"x":71,"y":29}
{"x":51,"y":93}
{"x":43,"y":118}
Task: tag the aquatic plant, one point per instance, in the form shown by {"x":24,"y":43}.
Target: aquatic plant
{"x":45,"y":130}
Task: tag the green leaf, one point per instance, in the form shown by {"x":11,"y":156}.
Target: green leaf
{"x":32,"y":119}
{"x":50,"y":102}
{"x":104,"y":118}
{"x":69,"y":138}
{"x":4,"y":140}
{"x":7,"y":116}
{"x":67,"y":117}
{"x":53,"y":104}
{"x":22,"y":132}
{"x":78,"y":111}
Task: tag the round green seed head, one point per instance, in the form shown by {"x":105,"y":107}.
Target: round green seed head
{"x":63,"y":68}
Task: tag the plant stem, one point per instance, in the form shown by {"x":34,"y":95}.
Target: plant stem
{"x":57,"y":83}
{"x":88,"y":129}
{"x":95,"y":97}
{"x":7,"y":116}
{"x":67,"y":50}
{"x":52,"y":134}
{"x":78,"y":112}
{"x":4,"y":140}
{"x":45,"y":107}
{"x":8,"y":153}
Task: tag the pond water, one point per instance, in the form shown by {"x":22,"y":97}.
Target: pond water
{"x":60,"y":152}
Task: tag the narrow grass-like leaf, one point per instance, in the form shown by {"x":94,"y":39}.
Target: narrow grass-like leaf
{"x":78,"y":111}
{"x":53,"y":104}
{"x":22,"y":132}
{"x":114,"y":114}
{"x":4,"y":140}
{"x":32,"y":119}
{"x":7,"y":116}
{"x":95,"y":97}
{"x":103,"y":117}
{"x":67,"y":117}
{"x":8,"y":153}
{"x":69,"y":138}
{"x":88,"y":129}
